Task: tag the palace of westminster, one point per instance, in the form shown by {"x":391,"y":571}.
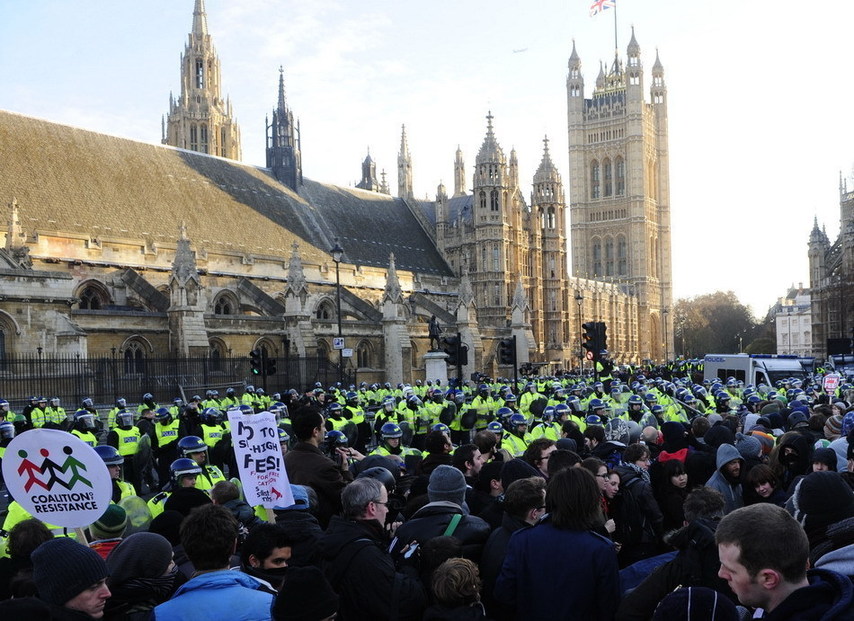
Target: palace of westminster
{"x":180,"y":249}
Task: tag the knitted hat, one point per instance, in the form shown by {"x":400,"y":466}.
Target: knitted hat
{"x":714,"y":418}
{"x":833,"y":427}
{"x":847,"y":423}
{"x":306,"y":595}
{"x":168,"y":524}
{"x":821,"y":499}
{"x":776,"y":420}
{"x":748,"y":446}
{"x":447,"y":483}
{"x":768,"y":408}
{"x":142,"y":555}
{"x":697,"y":604}
{"x":63,"y":568}
{"x":826,"y":456}
{"x":796,"y":419}
{"x":766,"y":439}
{"x":110,"y":525}
{"x":185,"y":499}
{"x":673,"y":432}
{"x":516,"y":469}
{"x":567,"y":444}
{"x":717,"y":435}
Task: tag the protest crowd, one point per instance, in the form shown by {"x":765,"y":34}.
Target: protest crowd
{"x":633,"y":494}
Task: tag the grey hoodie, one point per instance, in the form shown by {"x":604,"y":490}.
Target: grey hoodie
{"x":731,"y":493}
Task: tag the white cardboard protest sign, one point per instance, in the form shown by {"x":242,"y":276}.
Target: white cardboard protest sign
{"x":831,"y":383}
{"x":57,"y":477}
{"x":259,"y":459}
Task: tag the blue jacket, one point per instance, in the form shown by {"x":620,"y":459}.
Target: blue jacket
{"x":550,"y":574}
{"x":210,"y":596}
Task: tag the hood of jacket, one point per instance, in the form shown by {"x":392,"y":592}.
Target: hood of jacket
{"x":699,"y":534}
{"x":299,"y":523}
{"x":841,"y":561}
{"x":725,"y":454}
{"x":439,"y":507}
{"x":218,"y":580}
{"x":829,"y":596}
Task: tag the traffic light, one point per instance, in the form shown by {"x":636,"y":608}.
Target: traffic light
{"x":602,"y":345}
{"x":451,"y":346}
{"x":464,"y":354}
{"x":506,"y":352}
{"x":270,"y":366}
{"x":591,"y":329}
{"x":256,"y":361}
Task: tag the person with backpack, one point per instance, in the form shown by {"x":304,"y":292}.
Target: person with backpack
{"x":638,"y":517}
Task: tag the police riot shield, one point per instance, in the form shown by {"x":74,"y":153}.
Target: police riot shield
{"x":142,"y":459}
{"x":239,"y":486}
{"x":138,"y":514}
{"x":351,"y":432}
{"x":468,"y":419}
{"x":408,"y":432}
{"x":449,"y":413}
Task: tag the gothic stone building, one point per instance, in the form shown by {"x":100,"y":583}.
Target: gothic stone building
{"x":832,"y":279}
{"x":116,"y":245}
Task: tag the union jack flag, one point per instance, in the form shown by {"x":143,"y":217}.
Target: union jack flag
{"x":600,"y":5}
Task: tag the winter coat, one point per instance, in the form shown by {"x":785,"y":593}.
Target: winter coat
{"x":304,"y":531}
{"x":583,"y":586}
{"x":695,"y":564}
{"x":493,"y":558}
{"x":638,"y":516}
{"x":433,"y":519}
{"x":362,"y":573}
{"x":243,"y":513}
{"x":731,"y":493}
{"x":306,"y":465}
{"x":206,"y":596}
{"x":829,"y":597}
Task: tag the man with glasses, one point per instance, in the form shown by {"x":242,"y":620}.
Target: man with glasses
{"x":356,"y":562}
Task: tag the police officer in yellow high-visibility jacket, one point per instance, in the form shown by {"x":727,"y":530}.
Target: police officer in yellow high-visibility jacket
{"x":55,"y":415}
{"x":164,"y":445}
{"x":194,"y":448}
{"x":114,"y":462}
{"x":84,"y":426}
{"x":518,"y":439}
{"x":125,"y":439}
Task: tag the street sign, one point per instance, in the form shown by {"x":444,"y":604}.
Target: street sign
{"x":347,"y":352}
{"x":338,"y":342}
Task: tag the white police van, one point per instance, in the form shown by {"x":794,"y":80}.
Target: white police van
{"x":753,"y":369}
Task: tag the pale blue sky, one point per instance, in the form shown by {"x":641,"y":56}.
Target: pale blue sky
{"x":759,"y":97}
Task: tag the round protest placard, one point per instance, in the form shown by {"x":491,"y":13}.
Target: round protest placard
{"x":57,"y":477}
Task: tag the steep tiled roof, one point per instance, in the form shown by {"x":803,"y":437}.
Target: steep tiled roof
{"x":76,"y":181}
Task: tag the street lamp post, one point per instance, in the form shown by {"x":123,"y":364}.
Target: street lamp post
{"x":337,"y":252}
{"x":665,"y":311}
{"x":578,"y":300}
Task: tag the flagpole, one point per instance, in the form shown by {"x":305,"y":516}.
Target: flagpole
{"x":616,"y":45}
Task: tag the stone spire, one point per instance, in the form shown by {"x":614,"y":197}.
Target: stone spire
{"x":200,"y":19}
{"x":459,"y":174}
{"x":466,"y":294}
{"x":404,"y":167}
{"x":520,"y":298}
{"x":297,"y":284}
{"x":184,"y":266}
{"x":14,"y":233}
{"x":284,"y":153}
{"x":200,"y":119}
{"x":393,"y":292}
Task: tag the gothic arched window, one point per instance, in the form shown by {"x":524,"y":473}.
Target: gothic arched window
{"x":597,"y":257}
{"x":606,"y":170}
{"x":620,"y":175}
{"x":594,"y":179}
{"x":493,"y":200}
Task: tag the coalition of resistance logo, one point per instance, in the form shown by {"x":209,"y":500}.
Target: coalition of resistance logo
{"x":51,"y":476}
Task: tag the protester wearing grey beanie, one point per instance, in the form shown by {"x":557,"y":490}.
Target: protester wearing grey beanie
{"x":447,"y":483}
{"x":63,"y":569}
